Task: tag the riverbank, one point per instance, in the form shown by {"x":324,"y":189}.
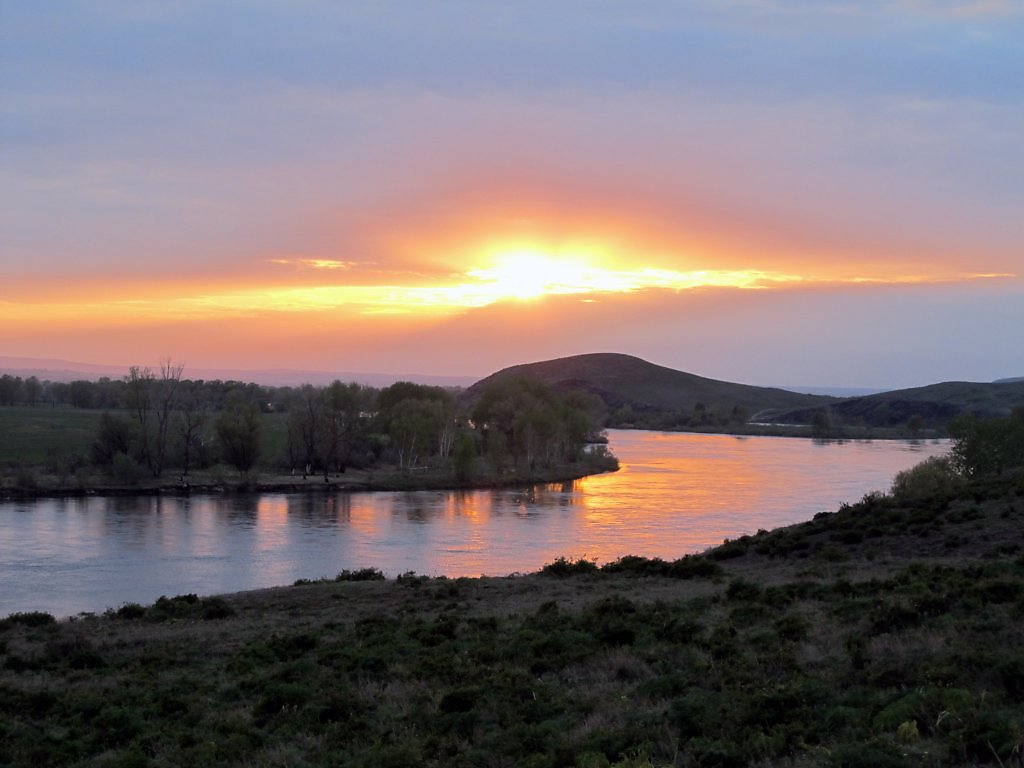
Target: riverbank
{"x":885,"y":634}
{"x":36,"y":483}
{"x":806,"y":431}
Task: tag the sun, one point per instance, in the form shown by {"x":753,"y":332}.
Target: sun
{"x":530,"y":274}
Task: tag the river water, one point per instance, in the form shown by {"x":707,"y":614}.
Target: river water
{"x":675,"y":493}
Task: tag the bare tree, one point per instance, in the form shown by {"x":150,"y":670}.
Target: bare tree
{"x":139,"y":392}
{"x":305,"y":423}
{"x":152,"y":401}
{"x":190,"y":425}
{"x":166,"y":395}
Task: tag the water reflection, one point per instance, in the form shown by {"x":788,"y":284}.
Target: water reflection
{"x":674,"y":494}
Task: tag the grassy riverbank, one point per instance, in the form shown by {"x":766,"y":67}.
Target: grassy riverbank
{"x":220,"y":480}
{"x":888,"y":633}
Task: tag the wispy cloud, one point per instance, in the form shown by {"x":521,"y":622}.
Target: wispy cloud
{"x":311,"y":263}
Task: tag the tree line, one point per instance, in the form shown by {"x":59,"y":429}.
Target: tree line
{"x":163,"y":422}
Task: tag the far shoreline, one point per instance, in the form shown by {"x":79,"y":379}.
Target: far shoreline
{"x":803,"y":431}
{"x":220,"y":481}
{"x":355,"y":481}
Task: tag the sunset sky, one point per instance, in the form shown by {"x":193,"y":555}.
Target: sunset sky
{"x":788,"y":192}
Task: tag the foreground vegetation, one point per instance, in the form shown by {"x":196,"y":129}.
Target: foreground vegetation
{"x":889,"y":633}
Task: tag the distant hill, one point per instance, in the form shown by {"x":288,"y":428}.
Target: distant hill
{"x":1009,"y":381}
{"x":935,"y":404}
{"x":67,"y":370}
{"x":623,"y":381}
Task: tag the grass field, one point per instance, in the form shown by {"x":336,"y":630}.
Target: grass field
{"x":34,"y":436}
{"x":890,"y":633}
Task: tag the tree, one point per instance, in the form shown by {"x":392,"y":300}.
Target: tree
{"x":238,"y":432}
{"x":740,"y":414}
{"x":305,"y":422}
{"x":9,"y":388}
{"x":82,"y":394}
{"x":464,"y":456}
{"x":411,"y":429}
{"x":140,"y":382}
{"x":987,"y":446}
{"x":526,"y":419}
{"x":115,"y":435}
{"x":418,"y":419}
{"x":165,"y":400}
{"x":821,"y":424}
{"x":190,"y":424}
{"x":33,"y":389}
{"x":152,"y":401}
{"x":341,"y":408}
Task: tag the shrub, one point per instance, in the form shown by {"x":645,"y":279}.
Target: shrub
{"x":28,"y":619}
{"x":565,"y":567}
{"x":934,"y":476}
{"x":126,"y":470}
{"x":363,"y":574}
{"x":26,"y":480}
{"x":280,"y":697}
{"x":130,"y":611}
{"x":741,"y":589}
{"x":866,"y":756}
{"x":987,"y":446}
{"x":730,"y":548}
{"x":411,"y":579}
{"x":792,"y":626}
{"x":215,"y":608}
{"x":694,"y":567}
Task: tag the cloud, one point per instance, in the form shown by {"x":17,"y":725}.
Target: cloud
{"x":310,"y":263}
{"x":347,"y":149}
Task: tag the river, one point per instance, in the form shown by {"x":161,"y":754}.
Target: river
{"x":675,"y":493}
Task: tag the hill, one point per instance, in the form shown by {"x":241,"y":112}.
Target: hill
{"x":49,"y":369}
{"x":626,"y":383}
{"x":935,"y":405}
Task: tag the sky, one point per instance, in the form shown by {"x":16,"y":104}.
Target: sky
{"x":784,"y":192}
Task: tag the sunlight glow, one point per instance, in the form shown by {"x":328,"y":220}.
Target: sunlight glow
{"x":529,"y":274}
{"x":312,"y":263}
{"x":522,"y":274}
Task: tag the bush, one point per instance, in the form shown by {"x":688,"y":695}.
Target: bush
{"x":29,"y":619}
{"x":26,"y":480}
{"x":126,"y":470}
{"x":215,"y":608}
{"x":363,"y":574}
{"x":988,"y":446}
{"x":114,"y":438}
{"x":565,"y":567}
{"x":865,"y":756}
{"x":130,"y":611}
{"x":932,"y":477}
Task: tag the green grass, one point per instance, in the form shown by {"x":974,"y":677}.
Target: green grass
{"x":274,"y":440}
{"x":31,"y":436}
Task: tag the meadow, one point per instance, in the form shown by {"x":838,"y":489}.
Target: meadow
{"x":36,"y":436}
{"x":888,"y":633}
